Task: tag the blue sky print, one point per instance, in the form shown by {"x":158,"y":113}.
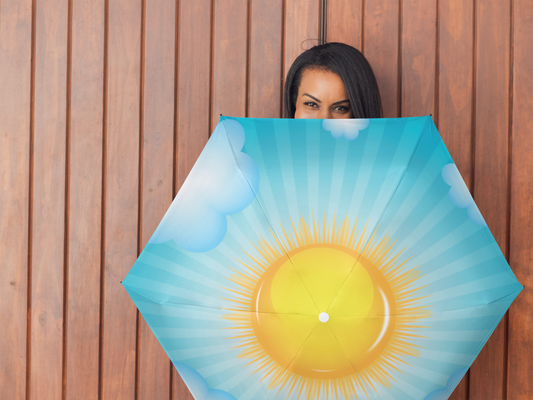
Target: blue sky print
{"x":222,"y":182}
{"x":451,"y":384}
{"x":198,"y":385}
{"x":459,"y":193}
{"x":323,"y":260}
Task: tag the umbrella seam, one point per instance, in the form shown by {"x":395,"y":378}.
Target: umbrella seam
{"x":374,"y":230}
{"x":292,"y":361}
{"x":160,"y":302}
{"x":266,"y":216}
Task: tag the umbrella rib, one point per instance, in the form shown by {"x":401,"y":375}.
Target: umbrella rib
{"x":157,"y":301}
{"x":370,"y":240}
{"x":512,"y":294}
{"x":342,"y":348}
{"x":297,"y":353}
{"x":266,"y":216}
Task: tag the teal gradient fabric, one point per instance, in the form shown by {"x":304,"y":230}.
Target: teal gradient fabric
{"x":259,"y":183}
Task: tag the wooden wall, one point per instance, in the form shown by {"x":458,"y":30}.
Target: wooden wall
{"x":105,"y":105}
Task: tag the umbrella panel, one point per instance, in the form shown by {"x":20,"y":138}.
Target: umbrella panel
{"x":295,"y":263}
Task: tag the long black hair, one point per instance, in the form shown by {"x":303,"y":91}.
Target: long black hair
{"x":351,"y":66}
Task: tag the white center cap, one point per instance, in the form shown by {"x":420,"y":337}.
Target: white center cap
{"x":323,"y":317}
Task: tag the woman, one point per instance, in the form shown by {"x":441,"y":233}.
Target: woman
{"x":332,"y":80}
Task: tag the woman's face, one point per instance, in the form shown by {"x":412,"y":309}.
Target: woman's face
{"x":322,"y":95}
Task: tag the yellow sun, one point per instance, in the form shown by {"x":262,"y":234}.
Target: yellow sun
{"x":321,"y":313}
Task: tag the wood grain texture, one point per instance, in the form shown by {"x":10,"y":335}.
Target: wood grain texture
{"x":121,"y":198}
{"x":301,"y":29}
{"x":345,"y":21}
{"x":456,"y":44}
{"x":193,"y":73}
{"x":85,"y":199}
{"x":455,"y":82}
{"x":381,"y":50}
{"x":157,"y":168}
{"x":487,"y":374}
{"x":179,"y":388}
{"x":520,"y":339}
{"x":265,"y":75}
{"x":419,"y":38}
{"x":229,"y":59}
{"x":15,"y":104}
{"x":193,"y":105}
{"x":48,"y":230}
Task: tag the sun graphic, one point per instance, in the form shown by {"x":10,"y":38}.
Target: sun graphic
{"x":326,"y":310}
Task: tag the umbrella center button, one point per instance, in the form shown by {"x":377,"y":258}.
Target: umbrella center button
{"x":323,"y":317}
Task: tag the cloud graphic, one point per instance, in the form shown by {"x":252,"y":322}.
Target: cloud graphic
{"x":222,"y":182}
{"x":453,"y":381}
{"x":349,"y":128}
{"x":198,"y":385}
{"x":459,"y":193}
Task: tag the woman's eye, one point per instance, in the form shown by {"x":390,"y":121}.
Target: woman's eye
{"x":342,"y":109}
{"x":310,"y":104}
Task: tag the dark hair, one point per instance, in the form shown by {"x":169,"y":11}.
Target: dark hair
{"x":351,"y":66}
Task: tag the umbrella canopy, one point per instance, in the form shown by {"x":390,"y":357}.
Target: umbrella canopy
{"x":323,"y":259}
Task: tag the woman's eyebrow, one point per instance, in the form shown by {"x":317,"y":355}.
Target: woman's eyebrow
{"x":313,"y":97}
{"x":340,"y":102}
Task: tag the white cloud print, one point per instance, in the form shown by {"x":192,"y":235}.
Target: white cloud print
{"x":349,"y":128}
{"x":460,"y":195}
{"x":222,"y":182}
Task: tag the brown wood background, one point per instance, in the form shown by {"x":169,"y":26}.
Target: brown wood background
{"x":105,"y":105}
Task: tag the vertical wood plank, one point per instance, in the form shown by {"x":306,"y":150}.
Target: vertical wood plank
{"x":380,"y":43}
{"x":48,"y":228}
{"x":456,"y":46}
{"x":520,"y":339}
{"x":487,"y":374}
{"x":229,"y":59}
{"x":179,"y":389}
{"x":264,"y":97}
{"x":194,"y":59}
{"x":15,"y":103}
{"x":157,"y":168}
{"x":193,"y":105}
{"x":85,"y":199}
{"x":301,"y":29}
{"x":418,"y":58}
{"x":345,"y":22}
{"x":121,"y":197}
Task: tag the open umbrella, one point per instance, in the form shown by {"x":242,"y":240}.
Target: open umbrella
{"x":322,"y":259}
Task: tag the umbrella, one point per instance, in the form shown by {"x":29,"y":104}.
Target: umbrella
{"x":322,"y":259}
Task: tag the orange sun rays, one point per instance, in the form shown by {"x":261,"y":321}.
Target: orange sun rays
{"x":277,"y":329}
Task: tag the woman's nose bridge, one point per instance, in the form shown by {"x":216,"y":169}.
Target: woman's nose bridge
{"x":325,"y":113}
